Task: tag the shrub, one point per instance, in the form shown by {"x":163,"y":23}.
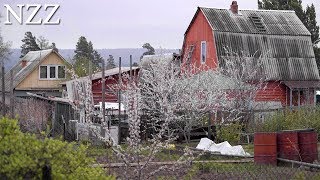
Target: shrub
{"x":23,"y":156}
{"x":229,"y":132}
{"x":292,"y":119}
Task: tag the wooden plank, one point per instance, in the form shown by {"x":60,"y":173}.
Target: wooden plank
{"x":115,"y":165}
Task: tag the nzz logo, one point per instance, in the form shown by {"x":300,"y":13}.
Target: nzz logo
{"x":31,"y":19}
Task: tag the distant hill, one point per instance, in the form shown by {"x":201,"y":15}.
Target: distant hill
{"x":69,"y":53}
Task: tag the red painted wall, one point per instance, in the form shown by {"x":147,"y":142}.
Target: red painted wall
{"x":111,"y":94}
{"x":200,"y":30}
{"x":274,"y":91}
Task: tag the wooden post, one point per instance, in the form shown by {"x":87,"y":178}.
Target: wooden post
{"x":103,"y":95}
{"x":130,"y":67}
{"x":119,"y":101}
{"x":299,"y":101}
{"x":11,"y":95}
{"x":314,"y":97}
{"x":3,"y":90}
{"x":291,"y":98}
{"x":308,"y":97}
{"x":209,"y":126}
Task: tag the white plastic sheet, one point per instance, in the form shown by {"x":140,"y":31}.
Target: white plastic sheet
{"x":224,"y":148}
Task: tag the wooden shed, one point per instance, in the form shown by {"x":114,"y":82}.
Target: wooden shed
{"x":279,"y":36}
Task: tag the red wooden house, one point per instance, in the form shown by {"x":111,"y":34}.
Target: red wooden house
{"x":112,"y":80}
{"x":280,"y":36}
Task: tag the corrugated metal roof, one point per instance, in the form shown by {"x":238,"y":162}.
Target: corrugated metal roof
{"x":33,"y":58}
{"x":111,"y":72}
{"x":302,"y":84}
{"x":284,"y":57}
{"x":276,"y":22}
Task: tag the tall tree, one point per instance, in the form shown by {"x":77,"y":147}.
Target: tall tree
{"x":4,"y":49}
{"x":43,"y":43}
{"x":29,"y":44}
{"x":110,"y":62}
{"x":311,"y":23}
{"x":97,"y":58}
{"x":86,"y":58}
{"x":82,"y":48}
{"x":150,"y":50}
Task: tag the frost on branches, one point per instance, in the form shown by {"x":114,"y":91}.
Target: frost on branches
{"x":175,"y":99}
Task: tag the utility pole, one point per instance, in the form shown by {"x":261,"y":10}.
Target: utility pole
{"x":103,"y":95}
{"x":119,"y":101}
{"x":3,"y":90}
{"x":11,"y":95}
{"x":130,"y":67}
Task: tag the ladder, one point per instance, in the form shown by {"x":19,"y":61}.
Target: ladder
{"x":189,"y":56}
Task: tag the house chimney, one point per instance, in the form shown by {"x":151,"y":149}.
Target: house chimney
{"x":234,"y":7}
{"x":23,"y":63}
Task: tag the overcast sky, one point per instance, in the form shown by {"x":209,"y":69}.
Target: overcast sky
{"x":116,"y":23}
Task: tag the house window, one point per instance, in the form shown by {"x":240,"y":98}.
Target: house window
{"x":61,"y":72}
{"x":43,"y":72}
{"x":52,"y":72}
{"x":203,"y":54}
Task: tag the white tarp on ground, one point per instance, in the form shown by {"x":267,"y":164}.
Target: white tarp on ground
{"x":224,"y":148}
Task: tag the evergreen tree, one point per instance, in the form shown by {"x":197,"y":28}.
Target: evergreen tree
{"x":82,"y":48}
{"x":85,"y":59}
{"x":311,"y":23}
{"x":29,"y":44}
{"x":97,"y":59}
{"x":150,"y":50}
{"x":53,"y":46}
{"x":110,"y":63}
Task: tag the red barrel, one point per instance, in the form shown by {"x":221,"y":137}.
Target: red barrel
{"x":288,"y":147}
{"x":265,"y":148}
{"x":308,"y":145}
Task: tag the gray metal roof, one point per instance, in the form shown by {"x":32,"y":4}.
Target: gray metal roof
{"x":284,"y":57}
{"x":285,"y":43}
{"x":33,"y":58}
{"x":276,"y":22}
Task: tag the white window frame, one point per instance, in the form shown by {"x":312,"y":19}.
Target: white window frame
{"x":201,"y":50}
{"x":48,"y":72}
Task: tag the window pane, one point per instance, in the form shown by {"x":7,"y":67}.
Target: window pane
{"x":203,"y":51}
{"x":61,"y":72}
{"x":43,"y":72}
{"x":52,"y":72}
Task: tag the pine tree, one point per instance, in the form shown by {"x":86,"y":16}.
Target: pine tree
{"x":85,"y":59}
{"x":110,"y":63}
{"x":311,"y":23}
{"x":82,"y":48}
{"x":150,"y":50}
{"x":29,"y":44}
{"x":97,"y":59}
